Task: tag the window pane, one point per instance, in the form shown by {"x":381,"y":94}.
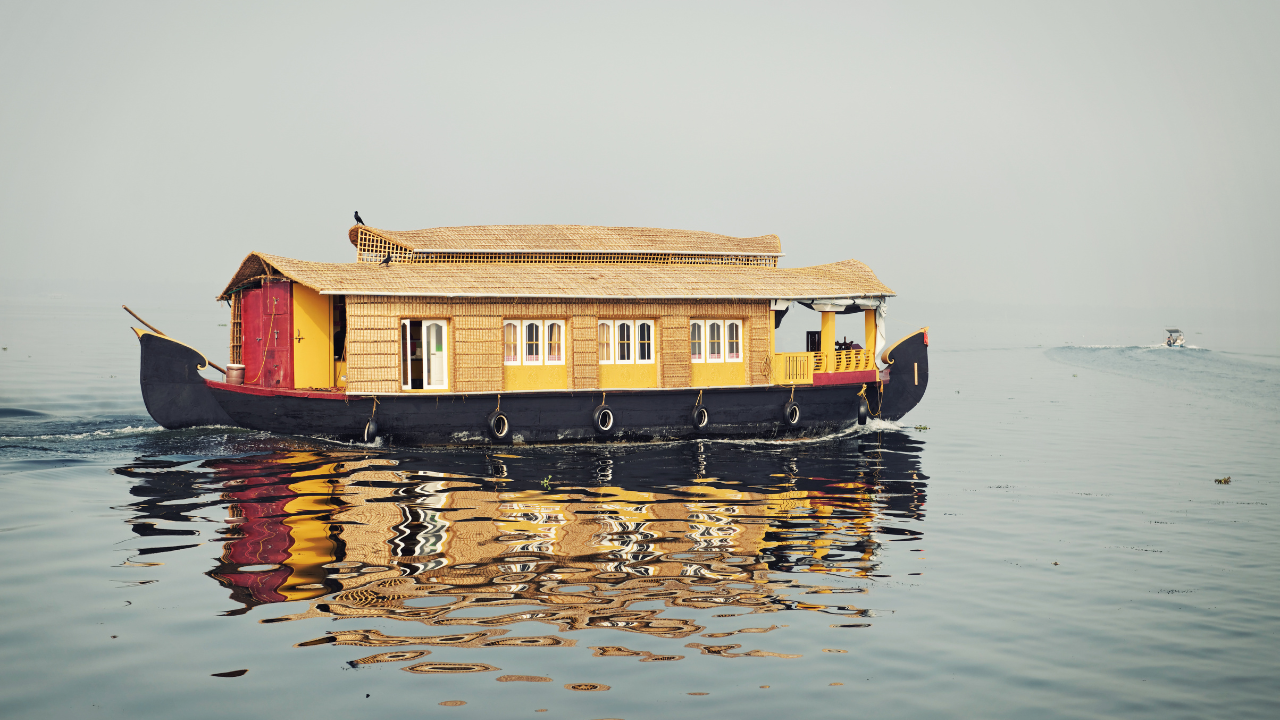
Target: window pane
{"x":554,"y":343}
{"x":624,"y":342}
{"x":510,"y":343}
{"x":434,"y":360}
{"x":646,"y":342}
{"x":713,"y":341}
{"x":735,"y":342}
{"x":695,"y":340}
{"x":603,"y":342}
{"x":532,"y":342}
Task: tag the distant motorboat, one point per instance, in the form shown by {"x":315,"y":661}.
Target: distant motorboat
{"x":1175,"y":338}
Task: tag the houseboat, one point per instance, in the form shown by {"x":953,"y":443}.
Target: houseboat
{"x":540,"y":333}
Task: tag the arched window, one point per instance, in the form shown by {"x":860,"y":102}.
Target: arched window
{"x":644,"y":342}
{"x":532,"y":343}
{"x":624,"y":343}
{"x":510,"y":343}
{"x":734,"y":331}
{"x":714,"y":342}
{"x":695,"y":342}
{"x":555,"y":343}
{"x":604,"y":342}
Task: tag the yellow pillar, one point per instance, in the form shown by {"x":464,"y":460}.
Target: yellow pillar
{"x":869,"y":322}
{"x":828,"y":333}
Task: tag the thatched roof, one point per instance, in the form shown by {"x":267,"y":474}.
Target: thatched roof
{"x":848,"y":278}
{"x":571,"y":238}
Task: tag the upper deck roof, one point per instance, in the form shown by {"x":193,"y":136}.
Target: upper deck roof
{"x":571,"y":239}
{"x":845,"y":279}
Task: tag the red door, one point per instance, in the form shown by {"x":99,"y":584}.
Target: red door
{"x":266,"y":314}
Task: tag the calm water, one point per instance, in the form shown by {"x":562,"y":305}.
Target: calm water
{"x":1054,"y":544}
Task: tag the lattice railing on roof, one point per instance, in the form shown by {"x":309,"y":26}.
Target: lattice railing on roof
{"x":373,"y":249}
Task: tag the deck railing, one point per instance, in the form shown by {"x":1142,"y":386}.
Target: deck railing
{"x":793,"y":368}
{"x":850,"y":361}
{"x":798,"y":368}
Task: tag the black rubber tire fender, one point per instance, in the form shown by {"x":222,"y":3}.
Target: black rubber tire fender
{"x":498,"y":425}
{"x":791,"y":413}
{"x":370,"y":430}
{"x":699,"y":417}
{"x":604,"y":420}
{"x":864,"y":411}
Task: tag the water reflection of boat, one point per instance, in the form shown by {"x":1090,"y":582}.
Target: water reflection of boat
{"x":475,"y":552}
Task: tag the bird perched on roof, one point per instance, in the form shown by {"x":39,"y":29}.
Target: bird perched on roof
{"x":358,"y":220}
{"x":385,"y":261}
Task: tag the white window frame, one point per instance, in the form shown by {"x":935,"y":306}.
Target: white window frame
{"x":522,"y":334}
{"x":546,"y":342}
{"x":615,"y":343}
{"x":524,"y":342}
{"x":653,"y":342}
{"x":719,"y":326}
{"x":613,"y":350}
{"x":702,"y":341}
{"x":618,"y":326}
{"x":516,"y":324}
{"x":405,"y":358}
{"x":741,"y":341}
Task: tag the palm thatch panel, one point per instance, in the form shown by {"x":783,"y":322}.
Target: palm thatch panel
{"x":848,"y":278}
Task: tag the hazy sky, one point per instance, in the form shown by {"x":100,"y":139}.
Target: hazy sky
{"x":1071,"y":154}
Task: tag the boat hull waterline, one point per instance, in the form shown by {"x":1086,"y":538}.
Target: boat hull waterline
{"x":177,"y":397}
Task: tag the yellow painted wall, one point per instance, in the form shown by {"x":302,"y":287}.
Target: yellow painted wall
{"x":535,"y":377}
{"x":313,"y":354}
{"x":706,"y":374}
{"x":629,"y":376}
{"x":340,"y":373}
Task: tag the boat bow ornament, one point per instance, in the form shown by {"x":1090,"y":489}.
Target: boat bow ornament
{"x":671,"y":324}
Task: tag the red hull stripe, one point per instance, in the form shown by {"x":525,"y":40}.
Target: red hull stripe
{"x":844,"y":378}
{"x":269,"y":392}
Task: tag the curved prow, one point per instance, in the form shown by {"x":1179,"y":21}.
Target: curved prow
{"x":908,"y":372}
{"x":172,"y":389}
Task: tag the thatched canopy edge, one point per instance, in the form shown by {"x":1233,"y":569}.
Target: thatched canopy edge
{"x":847,"y":278}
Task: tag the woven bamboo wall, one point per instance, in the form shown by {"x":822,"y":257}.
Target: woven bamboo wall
{"x":583,"y":353}
{"x":673,"y":336}
{"x":758,"y":341}
{"x":475,"y":361}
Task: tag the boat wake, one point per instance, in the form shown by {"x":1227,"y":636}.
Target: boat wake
{"x":87,"y":435}
{"x":1197,"y":371}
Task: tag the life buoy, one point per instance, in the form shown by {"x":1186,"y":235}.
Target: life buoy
{"x":791,"y":413}
{"x":371,"y":430}
{"x":499,"y":426}
{"x":864,"y":411}
{"x":603,"y":419}
{"x":700,"y":417}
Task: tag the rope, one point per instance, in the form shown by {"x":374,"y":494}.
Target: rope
{"x":880,"y":406}
{"x":793,"y":393}
{"x":698,"y":402}
{"x":497,"y":409}
{"x":263,"y":366}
